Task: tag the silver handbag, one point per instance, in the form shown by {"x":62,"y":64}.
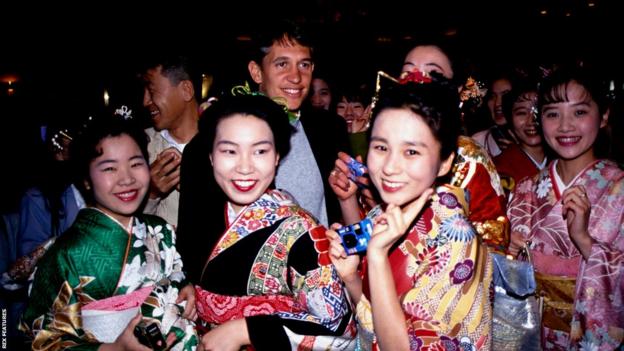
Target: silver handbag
{"x":516,"y":312}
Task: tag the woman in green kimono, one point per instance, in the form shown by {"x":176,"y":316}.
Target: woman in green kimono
{"x":111,"y":250}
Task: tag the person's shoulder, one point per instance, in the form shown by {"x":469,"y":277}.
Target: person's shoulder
{"x":70,"y":241}
{"x":508,"y":155}
{"x":609,"y":172}
{"x":288,"y":203}
{"x":469,"y":148}
{"x":480,"y":135}
{"x":452,"y":199}
{"x":151,"y":132}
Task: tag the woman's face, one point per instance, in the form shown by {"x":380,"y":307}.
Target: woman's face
{"x":571,"y":127}
{"x":403,"y":156}
{"x":244,"y":158}
{"x":119,"y":177}
{"x":320,"y":96}
{"x":499,"y":88}
{"x":523,"y":117}
{"x":428,"y":58}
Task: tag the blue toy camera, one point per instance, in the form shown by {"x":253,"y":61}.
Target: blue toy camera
{"x":357,"y":169}
{"x":355,"y":237}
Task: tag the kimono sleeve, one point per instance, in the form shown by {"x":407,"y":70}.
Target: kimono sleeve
{"x":172,"y":259}
{"x":326,"y":320}
{"x":599,"y":306}
{"x":52,"y":317}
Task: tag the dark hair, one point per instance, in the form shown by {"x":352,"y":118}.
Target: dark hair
{"x":447,"y":47}
{"x":436,"y":102}
{"x":258,"y":106}
{"x":554,"y":89}
{"x":352,"y":93}
{"x":175,"y":68}
{"x":201,"y":199}
{"x":85,"y":147}
{"x":518,"y":90}
{"x":283,"y":32}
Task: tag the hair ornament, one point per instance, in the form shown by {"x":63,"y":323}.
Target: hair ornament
{"x":58,"y":146}
{"x":472,"y":90}
{"x":381,"y":74}
{"x":124,"y":112}
{"x":415,"y":76}
{"x":246,"y":90}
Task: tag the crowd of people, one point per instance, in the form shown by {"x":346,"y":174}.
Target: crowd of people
{"x":224,"y":227}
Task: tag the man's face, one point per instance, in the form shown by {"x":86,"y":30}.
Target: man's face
{"x":285,"y":72}
{"x":164,"y":100}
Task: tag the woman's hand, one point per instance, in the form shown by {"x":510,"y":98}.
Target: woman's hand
{"x":343,"y":187}
{"x":393,"y":223}
{"x":576,"y":210}
{"x":126,"y":341}
{"x":188,"y":294}
{"x":361,"y":122}
{"x":346,"y":265}
{"x":229,"y":336}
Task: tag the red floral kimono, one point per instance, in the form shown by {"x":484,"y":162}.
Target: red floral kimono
{"x":475,"y":172}
{"x":513,"y":165}
{"x":442,"y":274}
{"x":271,"y":267}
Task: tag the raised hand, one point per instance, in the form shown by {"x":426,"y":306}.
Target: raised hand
{"x":346,"y":265}
{"x":165,"y":172}
{"x":343,"y":187}
{"x":393,"y":223}
{"x":576,"y":210}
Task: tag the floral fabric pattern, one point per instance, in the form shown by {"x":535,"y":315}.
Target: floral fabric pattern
{"x":97,"y":259}
{"x":535,"y":211}
{"x":442,"y":274}
{"x":274,"y":287}
{"x":475,"y":173}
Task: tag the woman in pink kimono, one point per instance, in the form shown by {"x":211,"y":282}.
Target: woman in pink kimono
{"x":571,"y":213}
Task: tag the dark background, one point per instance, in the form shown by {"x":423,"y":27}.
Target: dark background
{"x":65,"y":56}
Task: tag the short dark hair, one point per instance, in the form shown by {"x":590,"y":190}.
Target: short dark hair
{"x":436,"y":102}
{"x":554,"y":88}
{"x":259,"y":106}
{"x":85,"y":149}
{"x":283,"y":31}
{"x":176,"y":68}
{"x":518,"y":90}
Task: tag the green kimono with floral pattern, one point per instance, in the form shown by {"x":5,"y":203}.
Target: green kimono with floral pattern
{"x":97,"y":259}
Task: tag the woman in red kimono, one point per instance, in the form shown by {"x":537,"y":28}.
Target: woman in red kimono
{"x":259,"y":261}
{"x":528,"y":157}
{"x":424,"y":283}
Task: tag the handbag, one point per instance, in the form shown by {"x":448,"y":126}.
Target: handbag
{"x":516,"y":321}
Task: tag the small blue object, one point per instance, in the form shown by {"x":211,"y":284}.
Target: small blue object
{"x":356,"y":168}
{"x":355,"y":237}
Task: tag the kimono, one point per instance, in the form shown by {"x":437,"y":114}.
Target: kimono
{"x":443,"y":275}
{"x":583,"y":299}
{"x":272,"y":267}
{"x":97,"y":259}
{"x":474,"y":171}
{"x":513,"y":165}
